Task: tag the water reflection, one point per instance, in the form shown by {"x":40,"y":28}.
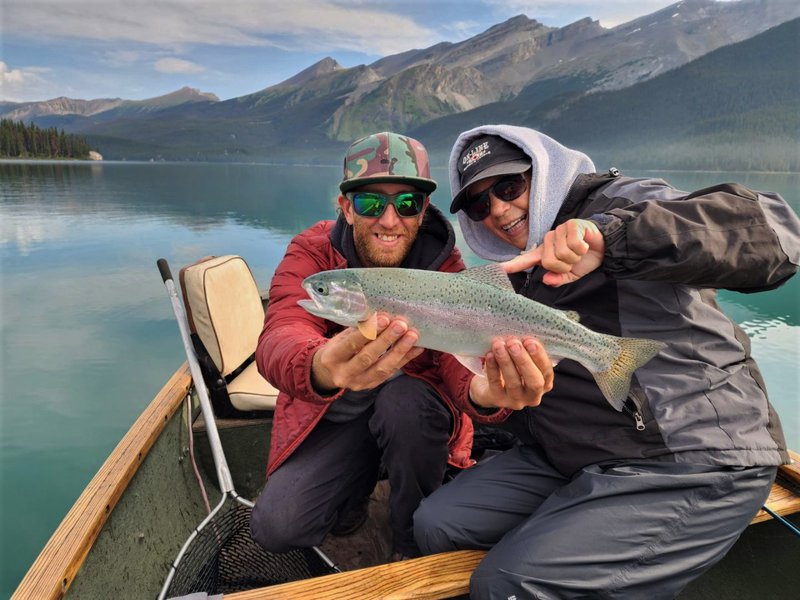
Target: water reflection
{"x":781,"y":304}
{"x":785,"y":184}
{"x":285,"y":199}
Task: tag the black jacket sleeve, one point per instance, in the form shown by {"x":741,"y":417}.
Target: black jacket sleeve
{"x":725,"y":236}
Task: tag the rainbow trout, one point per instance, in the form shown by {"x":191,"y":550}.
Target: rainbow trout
{"x":460,"y":313}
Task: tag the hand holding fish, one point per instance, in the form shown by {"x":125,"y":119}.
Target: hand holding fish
{"x":568,"y":252}
{"x":518,"y":373}
{"x":358,"y":363}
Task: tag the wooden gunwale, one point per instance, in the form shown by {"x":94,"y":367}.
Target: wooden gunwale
{"x":428,"y":578}
{"x":784,"y":498}
{"x":57,"y":564}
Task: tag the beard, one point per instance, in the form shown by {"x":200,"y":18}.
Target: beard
{"x":373,"y":254}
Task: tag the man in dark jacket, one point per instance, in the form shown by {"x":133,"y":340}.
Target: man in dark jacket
{"x":347,"y":403}
{"x":596,"y":502}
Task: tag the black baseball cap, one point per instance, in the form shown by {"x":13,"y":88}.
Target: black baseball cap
{"x":484,"y":157}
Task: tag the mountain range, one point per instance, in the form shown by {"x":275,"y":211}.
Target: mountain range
{"x":714,"y":78}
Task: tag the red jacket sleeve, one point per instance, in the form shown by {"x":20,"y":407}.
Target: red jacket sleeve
{"x":456,"y":379}
{"x":291,"y":335}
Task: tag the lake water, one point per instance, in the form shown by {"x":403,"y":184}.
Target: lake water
{"x":88,"y":335}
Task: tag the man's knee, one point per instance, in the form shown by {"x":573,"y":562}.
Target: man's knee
{"x":486,"y":583}
{"x":505,"y":578}
{"x":272,"y":533}
{"x":278,"y":526}
{"x":409,"y":406}
{"x":428,"y":532}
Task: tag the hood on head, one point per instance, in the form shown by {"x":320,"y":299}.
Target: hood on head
{"x":554,"y":168}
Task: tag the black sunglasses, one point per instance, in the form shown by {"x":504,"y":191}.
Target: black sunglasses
{"x":506,"y":189}
{"x":372,"y":204}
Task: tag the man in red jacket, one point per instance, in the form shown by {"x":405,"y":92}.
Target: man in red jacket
{"x":348,"y":404}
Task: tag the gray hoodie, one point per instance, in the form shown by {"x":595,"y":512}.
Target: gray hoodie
{"x":554,"y":168}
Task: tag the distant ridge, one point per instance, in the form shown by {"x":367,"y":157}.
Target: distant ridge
{"x":735,"y":108}
{"x":518,"y":71}
{"x":323,"y":67}
{"x":742,"y":101}
{"x":25,"y":111}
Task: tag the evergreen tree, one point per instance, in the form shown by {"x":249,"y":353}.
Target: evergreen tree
{"x":20,"y":141}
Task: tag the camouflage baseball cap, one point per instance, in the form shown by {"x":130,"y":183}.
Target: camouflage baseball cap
{"x":387,"y":158}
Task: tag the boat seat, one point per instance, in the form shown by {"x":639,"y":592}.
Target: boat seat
{"x":226,"y":315}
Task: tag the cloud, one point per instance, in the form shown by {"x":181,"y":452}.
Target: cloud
{"x":14,"y":77}
{"x":121,"y":58}
{"x":311,"y":25}
{"x":177,"y":65}
{"x":14,"y":83}
{"x":461,"y":30}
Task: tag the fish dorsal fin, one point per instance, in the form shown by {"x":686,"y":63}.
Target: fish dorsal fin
{"x":491,"y":274}
{"x":572,"y":315}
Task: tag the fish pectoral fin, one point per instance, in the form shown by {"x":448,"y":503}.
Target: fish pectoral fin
{"x":369,"y":326}
{"x":473,"y":363}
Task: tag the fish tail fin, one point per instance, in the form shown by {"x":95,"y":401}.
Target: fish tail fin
{"x":615,"y":383}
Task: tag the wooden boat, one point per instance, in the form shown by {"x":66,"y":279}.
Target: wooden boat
{"x":124,"y":532}
{"x":125,"y":529}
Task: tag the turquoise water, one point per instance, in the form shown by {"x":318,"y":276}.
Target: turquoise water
{"x":88,"y":336}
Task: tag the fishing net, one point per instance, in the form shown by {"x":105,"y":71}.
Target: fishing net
{"x":223,"y":558}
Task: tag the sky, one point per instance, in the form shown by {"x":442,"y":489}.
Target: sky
{"x":138,"y":49}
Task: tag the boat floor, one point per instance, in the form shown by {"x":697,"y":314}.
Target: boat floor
{"x":370,"y":544}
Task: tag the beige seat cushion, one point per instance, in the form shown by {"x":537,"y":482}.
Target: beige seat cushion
{"x":250,"y":391}
{"x":227,"y":313}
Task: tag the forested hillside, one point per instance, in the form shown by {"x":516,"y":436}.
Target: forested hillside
{"x":734,"y":109}
{"x":18,"y":140}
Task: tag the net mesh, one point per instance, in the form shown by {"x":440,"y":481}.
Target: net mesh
{"x":223,"y":558}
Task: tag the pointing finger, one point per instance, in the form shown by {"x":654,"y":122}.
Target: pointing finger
{"x":526,"y":260}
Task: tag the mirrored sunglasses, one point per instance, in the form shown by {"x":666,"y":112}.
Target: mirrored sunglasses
{"x":506,"y":189}
{"x":372,"y":204}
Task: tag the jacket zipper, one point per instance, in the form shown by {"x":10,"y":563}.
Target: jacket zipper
{"x":632,"y":409}
{"x":524,"y":289}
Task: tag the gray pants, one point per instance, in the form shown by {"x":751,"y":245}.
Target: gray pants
{"x":336,"y":467}
{"x":634,"y":530}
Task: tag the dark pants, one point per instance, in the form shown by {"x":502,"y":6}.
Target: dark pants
{"x":634,"y":530}
{"x":336,"y":467}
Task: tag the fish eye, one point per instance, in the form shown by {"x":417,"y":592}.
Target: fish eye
{"x":322,"y":289}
